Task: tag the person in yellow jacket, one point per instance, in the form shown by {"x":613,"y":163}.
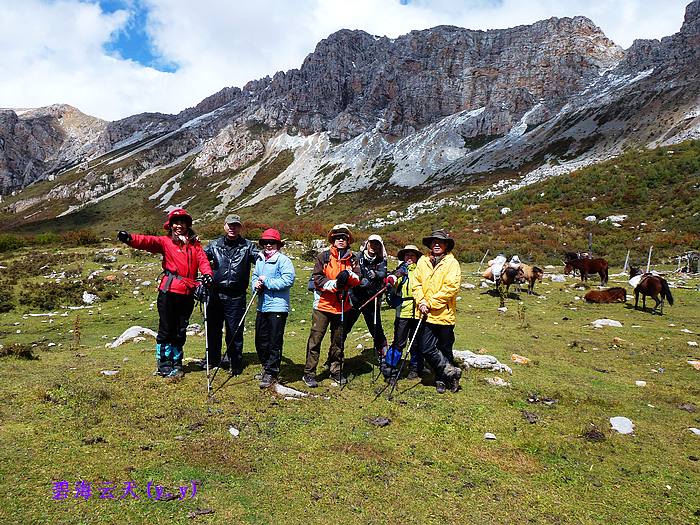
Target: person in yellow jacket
{"x":435,"y":289}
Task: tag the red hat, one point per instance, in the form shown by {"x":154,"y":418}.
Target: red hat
{"x":177,"y":213}
{"x":271,"y":235}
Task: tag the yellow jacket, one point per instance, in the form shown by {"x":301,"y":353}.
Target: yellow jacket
{"x":439,"y":287}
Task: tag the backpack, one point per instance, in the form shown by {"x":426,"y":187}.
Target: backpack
{"x":326,"y":259}
{"x":394,"y":298}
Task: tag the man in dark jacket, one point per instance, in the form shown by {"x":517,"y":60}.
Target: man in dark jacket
{"x":231,"y":257}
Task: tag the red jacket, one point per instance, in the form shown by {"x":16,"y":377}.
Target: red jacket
{"x":182,"y":260}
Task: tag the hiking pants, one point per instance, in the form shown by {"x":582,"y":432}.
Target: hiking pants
{"x":319,"y":325}
{"x":436,"y":344}
{"x":403,"y":332}
{"x":174,"y":311}
{"x":377,"y":331}
{"x":225,"y":309}
{"x":269,"y":337}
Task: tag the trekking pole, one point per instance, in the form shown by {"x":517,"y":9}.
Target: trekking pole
{"x":374,"y":297}
{"x":403,"y":360}
{"x":342,"y":336}
{"x":206,"y":343}
{"x":255,"y":293}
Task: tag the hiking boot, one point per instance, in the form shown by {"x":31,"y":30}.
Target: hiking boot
{"x":454,"y":385}
{"x":452,"y":372}
{"x":440,"y":387}
{"x":340,"y":379}
{"x":310,"y":380}
{"x":413,"y":374}
{"x":176,"y":373}
{"x":266,"y":380}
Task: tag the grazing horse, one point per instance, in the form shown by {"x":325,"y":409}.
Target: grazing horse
{"x":616,"y":294}
{"x":509,"y":276}
{"x":531,"y":274}
{"x":588,"y":266}
{"x":652,"y":286}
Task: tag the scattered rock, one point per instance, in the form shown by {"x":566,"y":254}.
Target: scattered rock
{"x":379,"y":421}
{"x":594,"y":434}
{"x":89,"y":298}
{"x":289,"y":392}
{"x":468,"y":286}
{"x":694,"y":364}
{"x":600,"y":323}
{"x":496,"y":381}
{"x":131,"y":333}
{"x":234,"y":431}
{"x":490,"y":436}
{"x":484,"y":362}
{"x":195,"y":328}
{"x":695,"y":431}
{"x":618,"y":340}
{"x":557,"y":278}
{"x":94,"y":440}
{"x":535,"y":398}
{"x":693,"y":343}
{"x":503,"y":309}
{"x":622,"y":425}
{"x":109,"y":372}
{"x":688,"y":407}
{"x":139,"y":339}
{"x":521,"y":360}
{"x":530,"y":417}
{"x":199,"y":512}
{"x":640,"y":383}
{"x":686,"y":331}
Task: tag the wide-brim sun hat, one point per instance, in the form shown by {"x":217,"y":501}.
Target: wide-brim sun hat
{"x":408,"y":248}
{"x":340,"y":228}
{"x":271,"y":235}
{"x":440,"y":235}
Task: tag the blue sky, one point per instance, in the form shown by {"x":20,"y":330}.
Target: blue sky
{"x":133,"y":41}
{"x":115,"y":58}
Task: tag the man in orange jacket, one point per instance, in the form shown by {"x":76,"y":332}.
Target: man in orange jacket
{"x":335,"y":271}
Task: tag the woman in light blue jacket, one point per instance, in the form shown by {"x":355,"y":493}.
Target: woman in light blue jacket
{"x":272,"y":279}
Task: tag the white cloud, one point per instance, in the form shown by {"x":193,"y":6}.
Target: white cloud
{"x":59,"y":56}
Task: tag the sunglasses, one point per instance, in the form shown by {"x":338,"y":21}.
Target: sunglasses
{"x":340,"y":238}
{"x":268,"y":243}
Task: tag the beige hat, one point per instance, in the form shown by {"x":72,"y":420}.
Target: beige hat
{"x":340,"y":228}
{"x":233,"y":219}
{"x":408,"y":248}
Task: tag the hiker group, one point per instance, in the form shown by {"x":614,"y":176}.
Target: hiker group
{"x":346,"y":285}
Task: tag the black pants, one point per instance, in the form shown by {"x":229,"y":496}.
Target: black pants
{"x":436,"y":344}
{"x":403,"y":333}
{"x":368,"y":312}
{"x":225,"y":309}
{"x":269,"y":337}
{"x":174,"y":311}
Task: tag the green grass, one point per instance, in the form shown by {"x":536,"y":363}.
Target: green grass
{"x":318,"y":460}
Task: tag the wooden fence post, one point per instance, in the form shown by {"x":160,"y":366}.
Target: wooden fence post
{"x":482,"y":260}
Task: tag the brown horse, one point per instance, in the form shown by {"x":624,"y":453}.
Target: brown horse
{"x":616,"y":294}
{"x":531,"y":274}
{"x":509,"y":276}
{"x":588,"y":266}
{"x":653,"y":286}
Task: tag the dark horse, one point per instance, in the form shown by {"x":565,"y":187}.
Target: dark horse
{"x":509,"y":276}
{"x":652,"y":286}
{"x":588,"y":266}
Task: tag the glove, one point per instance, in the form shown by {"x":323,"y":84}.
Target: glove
{"x":390,"y":280}
{"x":371,"y":275}
{"x":207,"y":280}
{"x":260,"y":283}
{"x":123,"y":236}
{"x":330,"y":285}
{"x":342,"y":279}
{"x":401,"y":271}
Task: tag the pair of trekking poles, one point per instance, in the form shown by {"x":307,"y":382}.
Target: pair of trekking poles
{"x":210,"y":382}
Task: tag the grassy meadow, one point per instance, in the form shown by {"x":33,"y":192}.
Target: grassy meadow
{"x":320,"y":459}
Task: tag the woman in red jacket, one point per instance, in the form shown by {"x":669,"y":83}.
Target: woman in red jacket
{"x":183,"y":256}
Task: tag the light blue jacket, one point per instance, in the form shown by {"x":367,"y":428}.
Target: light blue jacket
{"x":279,"y":277}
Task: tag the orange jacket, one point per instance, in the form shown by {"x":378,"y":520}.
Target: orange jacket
{"x":329,"y":300}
